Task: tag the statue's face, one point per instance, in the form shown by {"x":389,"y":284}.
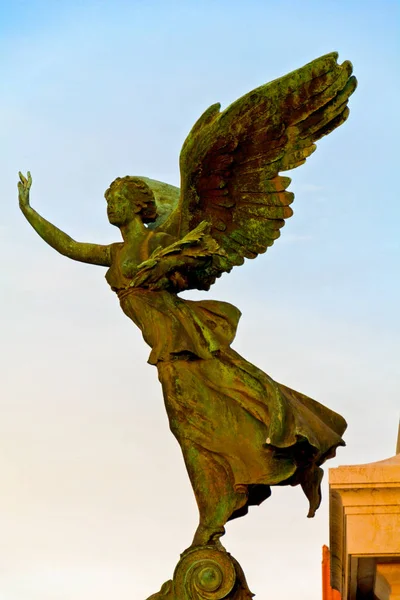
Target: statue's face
{"x":120,"y":210}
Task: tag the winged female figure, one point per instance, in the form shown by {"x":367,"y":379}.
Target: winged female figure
{"x":240,"y":431}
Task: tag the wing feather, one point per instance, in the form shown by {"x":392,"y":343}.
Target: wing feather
{"x":231,"y":161}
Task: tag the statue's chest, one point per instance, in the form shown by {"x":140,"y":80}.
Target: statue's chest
{"x":125,"y":261}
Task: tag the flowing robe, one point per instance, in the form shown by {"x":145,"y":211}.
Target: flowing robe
{"x":260,"y":432}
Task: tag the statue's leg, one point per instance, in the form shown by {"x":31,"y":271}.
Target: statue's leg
{"x":216,"y":497}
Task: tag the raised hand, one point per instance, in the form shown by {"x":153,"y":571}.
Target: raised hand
{"x":24,"y":185}
{"x":94,"y":254}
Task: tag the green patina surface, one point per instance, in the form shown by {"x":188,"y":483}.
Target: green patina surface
{"x":240,"y":431}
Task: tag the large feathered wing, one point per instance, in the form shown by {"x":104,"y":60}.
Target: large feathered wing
{"x":231,"y":160}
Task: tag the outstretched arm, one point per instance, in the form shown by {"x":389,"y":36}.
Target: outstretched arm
{"x":94,"y":254}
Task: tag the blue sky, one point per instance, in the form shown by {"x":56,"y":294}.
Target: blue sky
{"x":95,"y":90}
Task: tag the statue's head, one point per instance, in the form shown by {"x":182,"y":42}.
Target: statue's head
{"x":128,"y":197}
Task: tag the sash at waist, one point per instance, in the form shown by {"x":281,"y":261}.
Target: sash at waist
{"x":172,"y":325}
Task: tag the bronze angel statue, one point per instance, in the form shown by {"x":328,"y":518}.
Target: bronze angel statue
{"x":240,"y":431}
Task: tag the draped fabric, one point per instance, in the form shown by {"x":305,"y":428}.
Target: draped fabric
{"x":173,"y":326}
{"x":264,"y":432}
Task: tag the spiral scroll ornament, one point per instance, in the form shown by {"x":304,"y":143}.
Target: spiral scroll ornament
{"x":204,"y":574}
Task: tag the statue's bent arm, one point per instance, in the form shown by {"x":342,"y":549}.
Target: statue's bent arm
{"x":94,"y":254}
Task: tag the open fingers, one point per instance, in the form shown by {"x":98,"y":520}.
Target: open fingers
{"x":26,"y":182}
{"x":22,"y":178}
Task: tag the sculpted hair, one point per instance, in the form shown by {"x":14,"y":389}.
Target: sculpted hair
{"x":139,"y":193}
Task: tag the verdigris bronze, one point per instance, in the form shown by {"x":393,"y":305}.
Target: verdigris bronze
{"x":240,"y":431}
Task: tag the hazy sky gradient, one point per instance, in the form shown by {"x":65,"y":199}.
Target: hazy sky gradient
{"x":95,"y":500}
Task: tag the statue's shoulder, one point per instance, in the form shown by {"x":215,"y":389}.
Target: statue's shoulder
{"x":115,"y":248}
